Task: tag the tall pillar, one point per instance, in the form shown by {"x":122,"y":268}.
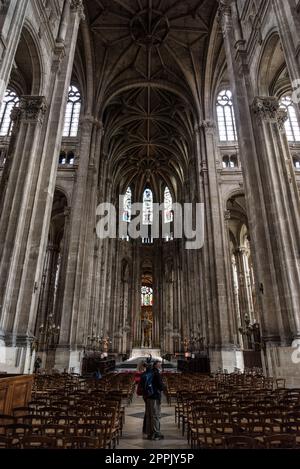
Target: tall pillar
{"x":14,"y":224}
{"x":244,"y":300}
{"x":79,"y":269}
{"x":47,"y":300}
{"x":288,"y":20}
{"x":272,"y":199}
{"x":222,"y":340}
{"x":31,"y":218}
{"x":12,"y":18}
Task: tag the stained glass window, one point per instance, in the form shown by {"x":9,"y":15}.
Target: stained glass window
{"x":148,"y":207}
{"x":72,"y":113}
{"x":127,"y":205}
{"x":10,"y":100}
{"x":168,"y":206}
{"x":147,"y":296}
{"x":226,"y":117}
{"x":292,"y":126}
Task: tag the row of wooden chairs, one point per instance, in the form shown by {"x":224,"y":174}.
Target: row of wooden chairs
{"x":60,"y":415}
{"x":235,"y":410}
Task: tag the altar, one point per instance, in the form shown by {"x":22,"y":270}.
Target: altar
{"x":145,"y":352}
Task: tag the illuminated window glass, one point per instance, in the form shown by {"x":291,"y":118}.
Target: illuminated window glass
{"x":168,"y":206}
{"x":127,"y":205}
{"x":226,"y":117}
{"x":147,"y":296}
{"x":147,"y":207}
{"x":292,"y":126}
{"x":9,"y":102}
{"x":296,"y":160}
{"x":72,"y":113}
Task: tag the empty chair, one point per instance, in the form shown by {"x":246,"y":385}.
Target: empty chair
{"x":38,"y":442}
{"x":239,"y":442}
{"x":80,"y":442}
{"x":280,"y":441}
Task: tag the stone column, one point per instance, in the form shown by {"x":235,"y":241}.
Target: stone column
{"x":12,"y":17}
{"x":281,"y":199}
{"x":46,"y":301}
{"x":288,"y":20}
{"x":244,"y":300}
{"x":64,"y":258}
{"x":33,"y":214}
{"x":78,"y":277}
{"x":221,"y":311}
{"x":272,"y":201}
{"x":14,"y":229}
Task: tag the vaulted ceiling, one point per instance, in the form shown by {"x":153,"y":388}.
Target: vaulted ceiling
{"x":150,"y":60}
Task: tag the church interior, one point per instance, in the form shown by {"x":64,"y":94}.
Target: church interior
{"x":150,"y":103}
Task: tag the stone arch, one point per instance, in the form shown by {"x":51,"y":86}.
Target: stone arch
{"x":27,"y":78}
{"x":271,"y":65}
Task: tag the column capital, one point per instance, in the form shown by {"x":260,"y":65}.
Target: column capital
{"x":227,"y":215}
{"x":3,"y":5}
{"x":67,"y":212}
{"x":58,"y":56}
{"x":209,"y":126}
{"x":282,"y":117}
{"x":224,"y":7}
{"x":267,"y":108}
{"x":77,"y":6}
{"x":31,"y":108}
{"x":224,"y":14}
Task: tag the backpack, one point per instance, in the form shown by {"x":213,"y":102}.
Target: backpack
{"x":147,"y":384}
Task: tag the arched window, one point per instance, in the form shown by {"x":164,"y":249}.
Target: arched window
{"x":9,"y":102}
{"x":226,"y":118}
{"x":296,"y":160}
{"x":127,"y":201}
{"x":147,"y":296}
{"x":72,"y":113}
{"x":148,"y":207}
{"x":292,"y":126}
{"x":230,"y":161}
{"x":168,"y":206}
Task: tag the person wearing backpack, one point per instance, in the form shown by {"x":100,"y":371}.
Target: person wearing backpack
{"x":152,"y":387}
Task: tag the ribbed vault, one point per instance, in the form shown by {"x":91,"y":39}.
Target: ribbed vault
{"x":149,"y":61}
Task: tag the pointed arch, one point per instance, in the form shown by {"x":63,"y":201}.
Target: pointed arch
{"x":127,"y":203}
{"x":168,"y":206}
{"x":147,"y":206}
{"x":72,"y":114}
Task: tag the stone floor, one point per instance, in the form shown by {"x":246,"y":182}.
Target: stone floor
{"x":132,"y":433}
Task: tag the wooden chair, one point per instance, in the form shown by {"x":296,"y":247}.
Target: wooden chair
{"x":6,"y":419}
{"x":80,"y":442}
{"x":19,"y":411}
{"x":280,"y":441}
{"x":18,"y":430}
{"x":5,"y":442}
{"x":38,"y":442}
{"x":239,"y":442}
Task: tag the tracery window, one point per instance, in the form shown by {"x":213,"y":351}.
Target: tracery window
{"x":72,"y":113}
{"x":292,"y":126}
{"x":168,"y":206}
{"x":147,"y":296}
{"x":148,"y":207}
{"x":226,"y":117}
{"x":127,"y":202}
{"x":10,"y":100}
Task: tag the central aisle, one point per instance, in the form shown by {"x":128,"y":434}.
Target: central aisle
{"x":132,"y":433}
